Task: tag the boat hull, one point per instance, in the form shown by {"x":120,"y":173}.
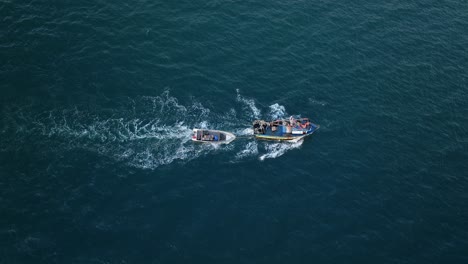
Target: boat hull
{"x":291,"y":139}
{"x":212,"y":136}
{"x":281,"y":130}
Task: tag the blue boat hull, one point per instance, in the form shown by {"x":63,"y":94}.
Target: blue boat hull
{"x":286,"y":132}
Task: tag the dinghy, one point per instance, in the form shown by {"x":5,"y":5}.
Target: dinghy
{"x":212,"y":136}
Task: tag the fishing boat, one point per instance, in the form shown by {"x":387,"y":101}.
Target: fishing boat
{"x":212,"y":136}
{"x":291,"y":130}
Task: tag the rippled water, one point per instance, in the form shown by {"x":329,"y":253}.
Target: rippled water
{"x":98,"y":100}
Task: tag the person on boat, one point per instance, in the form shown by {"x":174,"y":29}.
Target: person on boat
{"x":288,"y":128}
{"x":298,"y":125}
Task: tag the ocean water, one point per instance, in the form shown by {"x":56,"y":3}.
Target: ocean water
{"x":98,"y":99}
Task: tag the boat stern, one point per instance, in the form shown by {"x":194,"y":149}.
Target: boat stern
{"x":194,"y":134}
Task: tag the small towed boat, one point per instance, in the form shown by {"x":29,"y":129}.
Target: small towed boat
{"x":291,"y":129}
{"x":212,"y":136}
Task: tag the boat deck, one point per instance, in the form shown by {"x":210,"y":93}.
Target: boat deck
{"x":212,"y":136}
{"x":282,"y":130}
{"x":207,"y":135}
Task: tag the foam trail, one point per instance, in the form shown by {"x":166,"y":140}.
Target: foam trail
{"x":276,"y":150}
{"x":251,"y":149}
{"x":144,"y":132}
{"x":316,"y":102}
{"x":277,"y":111}
{"x":245,"y":132}
{"x":249,"y":103}
{"x":203,"y":125}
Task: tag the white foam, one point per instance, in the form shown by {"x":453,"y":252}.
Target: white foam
{"x":277,"y":111}
{"x":251,"y":149}
{"x":245,"y":132}
{"x":275,"y":150}
{"x":249,"y":103}
{"x":317,"y":102}
{"x":152,"y":131}
{"x":203,"y":125}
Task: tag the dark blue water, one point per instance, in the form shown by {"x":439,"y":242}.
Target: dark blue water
{"x":98,"y":99}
